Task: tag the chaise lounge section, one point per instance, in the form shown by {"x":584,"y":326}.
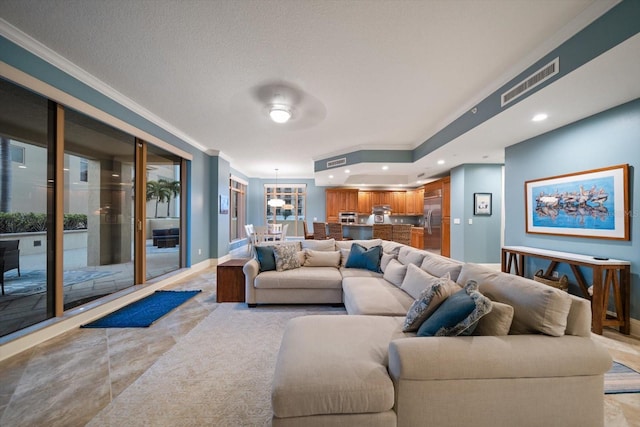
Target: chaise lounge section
{"x":528,"y":360}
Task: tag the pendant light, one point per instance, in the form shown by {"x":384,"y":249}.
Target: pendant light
{"x":275,"y":202}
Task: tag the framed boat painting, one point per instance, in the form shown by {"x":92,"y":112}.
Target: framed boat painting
{"x":592,"y":203}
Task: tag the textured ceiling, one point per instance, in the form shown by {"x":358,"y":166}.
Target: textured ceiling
{"x":361,"y":74}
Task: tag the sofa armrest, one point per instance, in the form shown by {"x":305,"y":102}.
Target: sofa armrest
{"x":511,"y":356}
{"x":251,"y":270}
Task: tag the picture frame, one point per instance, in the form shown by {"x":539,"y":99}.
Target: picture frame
{"x":482,"y":204}
{"x":592,"y":204}
{"x":224,"y":204}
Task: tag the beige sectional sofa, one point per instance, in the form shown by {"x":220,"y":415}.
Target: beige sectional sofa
{"x":539,"y":367}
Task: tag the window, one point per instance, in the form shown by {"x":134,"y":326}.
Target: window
{"x":237,"y":208}
{"x":293,"y":210}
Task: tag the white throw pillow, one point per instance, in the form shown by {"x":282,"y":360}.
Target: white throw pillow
{"x":394,"y":273}
{"x":322,"y":258}
{"x":384,"y":261}
{"x":417,"y":280}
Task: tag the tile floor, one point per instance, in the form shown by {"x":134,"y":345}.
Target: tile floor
{"x":68,"y":379}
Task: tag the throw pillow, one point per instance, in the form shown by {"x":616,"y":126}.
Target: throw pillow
{"x":458,"y":314}
{"x":417,"y":280}
{"x":319,"y":245}
{"x":344,"y":256}
{"x":497,"y":322}
{"x":384,"y":261}
{"x":322,"y":258}
{"x":409,"y":255}
{"x":429,"y":300}
{"x":361,"y":257}
{"x":394,"y":273}
{"x":265,"y":257}
{"x":286,"y":257}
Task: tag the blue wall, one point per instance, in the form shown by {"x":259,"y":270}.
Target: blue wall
{"x":480,"y":241}
{"x":606,"y":139}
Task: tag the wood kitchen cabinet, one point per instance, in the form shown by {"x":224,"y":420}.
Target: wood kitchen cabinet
{"x":398,"y":202}
{"x":417,"y":237}
{"x":364,"y":202}
{"x":415,"y":202}
{"x":340,"y":200}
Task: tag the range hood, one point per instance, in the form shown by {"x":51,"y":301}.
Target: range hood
{"x":381,"y":209}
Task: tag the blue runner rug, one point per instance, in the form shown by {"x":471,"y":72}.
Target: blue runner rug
{"x":621,"y":379}
{"x":142,"y":313}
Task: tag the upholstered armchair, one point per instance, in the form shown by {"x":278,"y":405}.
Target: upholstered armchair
{"x":9,"y":258}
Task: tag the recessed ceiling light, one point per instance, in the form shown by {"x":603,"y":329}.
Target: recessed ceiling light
{"x":419,"y":181}
{"x":384,"y":168}
{"x":347,"y":171}
{"x":441,"y":162}
{"x":330,"y":176}
{"x":539,"y":117}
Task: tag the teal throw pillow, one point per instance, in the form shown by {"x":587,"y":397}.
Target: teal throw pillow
{"x":265,"y":257}
{"x":458,"y":314}
{"x":361,"y":257}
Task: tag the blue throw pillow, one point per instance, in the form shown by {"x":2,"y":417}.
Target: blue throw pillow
{"x":458,"y":314}
{"x":265,"y":257}
{"x":361,"y":257}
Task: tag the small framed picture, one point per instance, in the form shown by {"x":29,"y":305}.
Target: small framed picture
{"x":224,"y":204}
{"x":482,"y":204}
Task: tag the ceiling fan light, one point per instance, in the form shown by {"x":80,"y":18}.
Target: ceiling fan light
{"x":280,"y":113}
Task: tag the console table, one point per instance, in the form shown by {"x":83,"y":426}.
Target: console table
{"x":230,"y":281}
{"x":610,"y":277}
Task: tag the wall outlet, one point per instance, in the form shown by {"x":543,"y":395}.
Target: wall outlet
{"x":199,"y":251}
{"x":470,"y":221}
{"x":555,"y":274}
{"x":456,"y":220}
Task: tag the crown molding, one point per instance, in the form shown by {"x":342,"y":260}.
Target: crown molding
{"x":33,"y":46}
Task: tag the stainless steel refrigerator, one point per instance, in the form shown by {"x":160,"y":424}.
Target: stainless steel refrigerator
{"x":433,"y":221}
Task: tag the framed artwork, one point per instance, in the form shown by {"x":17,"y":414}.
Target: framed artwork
{"x":593,"y":203}
{"x":482,"y":204}
{"x":224,"y":204}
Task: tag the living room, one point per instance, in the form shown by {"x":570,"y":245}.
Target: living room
{"x":593,"y":124}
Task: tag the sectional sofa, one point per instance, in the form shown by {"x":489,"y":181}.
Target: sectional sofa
{"x":523,"y":356}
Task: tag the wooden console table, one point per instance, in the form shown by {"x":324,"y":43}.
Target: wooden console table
{"x":617,"y":279}
{"x":230,"y":281}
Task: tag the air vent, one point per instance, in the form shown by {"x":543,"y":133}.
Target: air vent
{"x":421,"y":175}
{"x":337,"y":162}
{"x":545,"y":73}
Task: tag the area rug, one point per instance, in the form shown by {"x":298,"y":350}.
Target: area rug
{"x":142,"y":313}
{"x":621,"y":379}
{"x":35,"y":281}
{"x":219,"y":374}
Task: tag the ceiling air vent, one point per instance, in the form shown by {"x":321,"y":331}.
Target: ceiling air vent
{"x":421,"y":175}
{"x":543,"y":74}
{"x":337,"y":162}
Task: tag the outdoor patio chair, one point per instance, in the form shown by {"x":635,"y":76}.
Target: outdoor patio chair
{"x":9,"y":258}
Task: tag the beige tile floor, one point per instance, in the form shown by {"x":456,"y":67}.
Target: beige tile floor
{"x":68,"y":379}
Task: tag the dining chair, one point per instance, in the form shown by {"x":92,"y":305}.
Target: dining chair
{"x":261,"y":234}
{"x":382,"y":231}
{"x":307,"y":235}
{"x":335,"y":231}
{"x":319,"y":231}
{"x":401,"y":233}
{"x":248,"y":229}
{"x":285,"y":229}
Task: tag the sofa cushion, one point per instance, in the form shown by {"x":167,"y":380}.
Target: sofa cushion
{"x":374,"y":296}
{"x":303,"y":277}
{"x":537,"y":308}
{"x":265,"y":257}
{"x":358,"y":272}
{"x":394,"y":273}
{"x":286,"y":257}
{"x":322,"y":258}
{"x":385,"y":259}
{"x":409,"y":255}
{"x":458,"y":314}
{"x":367,"y":258}
{"x":497,"y":322}
{"x":334,"y":364}
{"x":319,"y":245}
{"x":428,"y":301}
{"x":438,"y":266}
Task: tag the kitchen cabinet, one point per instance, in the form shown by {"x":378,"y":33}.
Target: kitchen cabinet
{"x":445,"y":250}
{"x":364,"y":202}
{"x":415,"y":202}
{"x":398,"y":202}
{"x":417,"y":237}
{"x":340,"y":200}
